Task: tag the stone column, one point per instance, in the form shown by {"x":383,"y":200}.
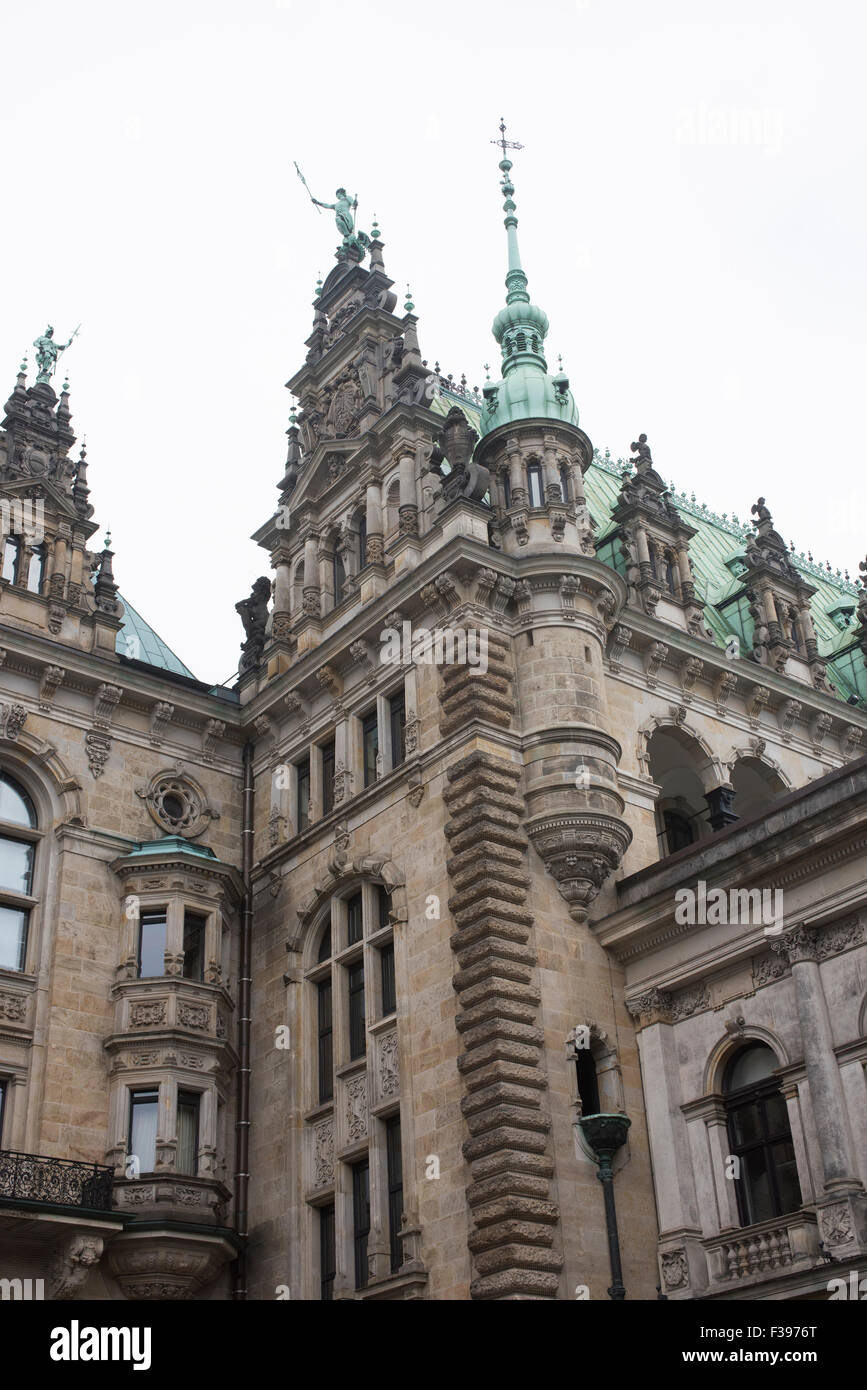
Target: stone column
{"x":373,"y":519}
{"x":312,"y":593}
{"x":282,"y":601}
{"x":56,"y":570}
{"x":809,"y":631}
{"x":550,"y":471}
{"x":823,"y":1074}
{"x":408,"y":499}
{"x":516,"y":474}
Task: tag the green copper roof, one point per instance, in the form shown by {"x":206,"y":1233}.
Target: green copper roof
{"x":527,"y":391}
{"x":138,"y":640}
{"x":169,"y":844}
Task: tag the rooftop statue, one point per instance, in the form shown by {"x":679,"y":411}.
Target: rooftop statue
{"x":47,"y":353}
{"x":344,"y":216}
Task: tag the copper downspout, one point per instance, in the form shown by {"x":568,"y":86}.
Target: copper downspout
{"x":242,"y":1122}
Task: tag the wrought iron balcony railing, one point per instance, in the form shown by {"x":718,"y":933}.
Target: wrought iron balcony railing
{"x":57,"y":1181}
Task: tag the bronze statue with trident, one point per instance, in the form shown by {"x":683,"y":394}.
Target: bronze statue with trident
{"x":355,"y":243}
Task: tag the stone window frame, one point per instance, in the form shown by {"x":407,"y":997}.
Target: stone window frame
{"x":36,"y":835}
{"x":377,"y":1109}
{"x":175,"y":902}
{"x":356,"y":718}
{"x":167,"y":1084}
{"x":609,"y":1074}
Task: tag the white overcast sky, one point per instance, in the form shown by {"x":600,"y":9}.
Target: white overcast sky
{"x":691,"y":202}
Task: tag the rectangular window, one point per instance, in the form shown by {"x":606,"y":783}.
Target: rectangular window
{"x":534,"y":481}
{"x":395,"y":1189}
{"x":507,"y":491}
{"x":397,"y":728}
{"x":12,"y":559}
{"x":328,"y":766}
{"x":143,"y":1112}
{"x":152,"y":945}
{"x":383,"y":906}
{"x":16,"y":865}
{"x":362,"y":541}
{"x":354,"y":926}
{"x":339,"y":575}
{"x":386,"y":961}
{"x":327,"y":1253}
{"x":36,"y":570}
{"x":187,"y":1160}
{"x":194,"y":946}
{"x":13,"y":938}
{"x":357,"y":1039}
{"x":370,"y":745}
{"x":361,"y":1219}
{"x":303,"y":799}
{"x":326,"y":1044}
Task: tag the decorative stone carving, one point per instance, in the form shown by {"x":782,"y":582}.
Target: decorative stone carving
{"x":13,"y":1007}
{"x":687,"y":1002}
{"x":724,"y":686}
{"x":756,"y":702}
{"x":411,"y":732}
{"x":356,"y":1108}
{"x":621,"y":638}
{"x":690,"y":671}
{"x":850,"y":739}
{"x":388,"y":1066}
{"x":177,"y":804}
{"x":788,"y":712}
{"x":97,"y":747}
{"x":105,"y":703}
{"x":323,"y":1153}
{"x":768,"y":968}
{"x":797,"y":944}
{"x":837,"y":1226}
{"x":12,"y":719}
{"x":580,"y":850}
{"x":71,"y":1266}
{"x":52,"y":679}
{"x":675,"y":1270}
{"x":194,"y":1015}
{"x":653,"y":1006}
{"x":820,"y":725}
{"x":212,"y":732}
{"x":147,"y":1013}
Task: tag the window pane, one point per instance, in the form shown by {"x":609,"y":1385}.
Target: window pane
{"x":357,"y":1039}
{"x":534,"y":478}
{"x":16,"y":865}
{"x":776,"y":1116}
{"x":395,"y":1190}
{"x":361,"y":1220}
{"x":152,"y":945}
{"x":144,"y":1107}
{"x":327,"y":1253}
{"x":756,"y":1187}
{"x":370,"y":742}
{"x":11,"y":552}
{"x":353,"y":919}
{"x":303,"y":807}
{"x":397,"y":719}
{"x":746,"y":1124}
{"x":786,"y":1173}
{"x":389,"y":1002}
{"x":383,"y":904}
{"x":187,"y":1160}
{"x":13,"y":938}
{"x":752,"y":1064}
{"x":328,"y":778}
{"x":326,"y":1055}
{"x":15,"y":804}
{"x":194,"y":946}
{"x":325,"y":945}
{"x":36,"y":570}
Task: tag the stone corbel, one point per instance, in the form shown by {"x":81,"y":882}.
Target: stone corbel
{"x":569,"y":586}
{"x":787,"y":713}
{"x":654,"y":659}
{"x":52,"y":679}
{"x":724,"y":686}
{"x":523,"y":597}
{"x":263,"y":726}
{"x":620,"y":640}
{"x":161,"y":714}
{"x":212,"y":732}
{"x":850,"y":739}
{"x":72,"y":1264}
{"x":819,"y":727}
{"x":105,"y":702}
{"x":690,"y":670}
{"x":485,"y":581}
{"x":757,"y":701}
{"x":295,"y":705}
{"x":97,"y":746}
{"x":362,"y":654}
{"x":653,"y":1006}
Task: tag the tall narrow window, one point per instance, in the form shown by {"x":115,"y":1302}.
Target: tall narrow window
{"x":383,"y":907}
{"x":327,"y":1253}
{"x":187,"y":1158}
{"x":394,"y":1164}
{"x":339,"y":577}
{"x":507,"y":490}
{"x":152,"y":945}
{"x":194,"y":946}
{"x":17,"y":858}
{"x":12,"y":559}
{"x":357,"y":1035}
{"x":760,"y":1137}
{"x":565,"y":483}
{"x":370,"y":746}
{"x":325,"y":945}
{"x":326,"y":1041}
{"x":361,"y":1219}
{"x":588,"y":1084}
{"x":386,"y":963}
{"x":362,"y":540}
{"x":36,"y":570}
{"x":534,"y":483}
{"x":328,"y":777}
{"x":143,"y":1112}
{"x":303,"y":798}
{"x":354,"y":920}
{"x":397,"y":728}
{"x":670,"y":577}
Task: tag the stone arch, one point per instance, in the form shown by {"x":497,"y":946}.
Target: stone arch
{"x":758,"y":780}
{"x":57,"y":794}
{"x":391,"y":503}
{"x":731,"y":1043}
{"x":712,"y":770}
{"x":345,"y":875}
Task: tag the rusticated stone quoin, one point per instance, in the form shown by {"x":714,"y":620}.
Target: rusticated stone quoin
{"x":502,"y":1061}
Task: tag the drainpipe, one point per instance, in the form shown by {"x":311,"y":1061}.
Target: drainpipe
{"x":242,"y":1122}
{"x":606,"y":1134}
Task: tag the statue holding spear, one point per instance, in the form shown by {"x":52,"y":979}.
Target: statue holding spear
{"x":47,"y":353}
{"x":344,"y":214}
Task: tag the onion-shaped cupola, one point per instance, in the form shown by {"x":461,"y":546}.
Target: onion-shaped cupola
{"x":526,"y":391}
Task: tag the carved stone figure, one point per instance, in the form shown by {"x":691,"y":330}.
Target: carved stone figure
{"x":253,"y":612}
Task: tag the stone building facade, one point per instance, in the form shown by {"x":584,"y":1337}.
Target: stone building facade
{"x":352,"y":980}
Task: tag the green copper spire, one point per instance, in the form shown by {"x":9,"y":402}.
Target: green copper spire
{"x":526,"y":392}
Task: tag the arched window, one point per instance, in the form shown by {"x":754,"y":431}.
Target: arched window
{"x":766,"y":1179}
{"x":588,"y":1083}
{"x":534,"y":485}
{"x":17,"y":857}
{"x":353,"y":1101}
